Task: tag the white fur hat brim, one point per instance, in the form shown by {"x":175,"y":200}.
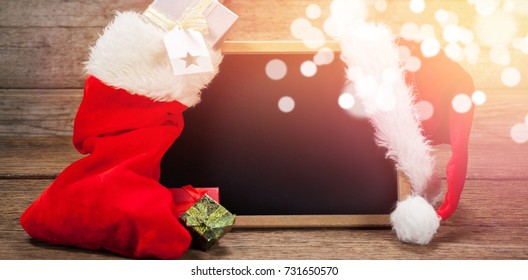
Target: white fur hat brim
{"x":131,"y":54}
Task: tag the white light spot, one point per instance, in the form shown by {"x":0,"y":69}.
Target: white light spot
{"x":511,"y":77}
{"x":324,"y":56}
{"x":497,"y":29}
{"x":417,"y":6}
{"x":346,"y":101}
{"x":413,"y":64}
{"x":308,"y":69}
{"x":452,"y":33}
{"x":500,"y":55}
{"x":286,"y":104}
{"x":430,"y":47}
{"x":472,"y":51}
{"x":427,"y":31}
{"x":313,"y":11}
{"x":404,"y":52}
{"x":486,"y":7}
{"x":519,"y":133}
{"x":508,"y":6}
{"x":300,"y":27}
{"x":410,"y":31}
{"x":425,"y":110}
{"x":380,"y":5}
{"x":276,"y":69}
{"x":461,"y":103}
{"x":389,"y":75}
{"x":314,"y":38}
{"x":454,"y":51}
{"x":441,"y":16}
{"x":478,"y":97}
{"x":466,"y":36}
{"x":330,"y":28}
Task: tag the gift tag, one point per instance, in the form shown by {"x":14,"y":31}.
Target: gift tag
{"x":188,"y":52}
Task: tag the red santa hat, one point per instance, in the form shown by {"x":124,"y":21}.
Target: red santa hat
{"x":131,"y":113}
{"x":389,"y":94}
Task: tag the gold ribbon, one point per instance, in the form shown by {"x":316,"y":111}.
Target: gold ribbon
{"x":192,"y":18}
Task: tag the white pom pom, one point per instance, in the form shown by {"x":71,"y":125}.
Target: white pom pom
{"x":415,"y":220}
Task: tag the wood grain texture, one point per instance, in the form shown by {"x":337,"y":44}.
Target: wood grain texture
{"x":489,"y":224}
{"x":44,"y":47}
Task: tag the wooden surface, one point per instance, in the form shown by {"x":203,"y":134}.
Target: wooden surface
{"x":43,"y":45}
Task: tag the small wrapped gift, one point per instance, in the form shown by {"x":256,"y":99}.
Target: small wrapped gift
{"x":209,"y":17}
{"x":187,"y":196}
{"x":207,"y":221}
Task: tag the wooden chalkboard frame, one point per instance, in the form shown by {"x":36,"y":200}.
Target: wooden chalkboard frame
{"x":305,"y":221}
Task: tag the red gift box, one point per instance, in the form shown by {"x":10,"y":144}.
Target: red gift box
{"x":187,"y":196}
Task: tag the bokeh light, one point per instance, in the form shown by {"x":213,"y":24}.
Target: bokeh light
{"x":462,"y":103}
{"x":366,"y":85}
{"x":511,"y":77}
{"x":413,"y":64}
{"x":519,"y":133}
{"x":381,"y":5}
{"x":478,"y":97}
{"x":410,"y":31}
{"x":452,"y":33}
{"x":454,"y":51}
{"x":497,"y":29}
{"x":500,"y":55}
{"x":276,"y":69}
{"x":324,"y":56}
{"x":430,"y":47}
{"x":308,"y":69}
{"x":486,"y":7}
{"x":313,"y":11}
{"x":300,"y":27}
{"x":417,"y":6}
{"x":346,"y":101}
{"x":286,"y":104}
{"x":424,"y":109}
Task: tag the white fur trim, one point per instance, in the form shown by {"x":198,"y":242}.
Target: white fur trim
{"x":131,"y":55}
{"x":415,"y":220}
{"x":371,"y":55}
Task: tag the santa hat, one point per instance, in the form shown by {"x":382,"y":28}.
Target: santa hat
{"x":389,"y":94}
{"x":131,"y":113}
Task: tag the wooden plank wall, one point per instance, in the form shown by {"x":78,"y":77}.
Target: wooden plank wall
{"x":44,"y":43}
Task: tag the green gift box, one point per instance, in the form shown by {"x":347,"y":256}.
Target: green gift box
{"x":207,"y":221}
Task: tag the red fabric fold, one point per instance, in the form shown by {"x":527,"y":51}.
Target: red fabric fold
{"x":111,"y":199}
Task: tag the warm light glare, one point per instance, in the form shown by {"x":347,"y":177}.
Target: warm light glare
{"x":486,"y":7}
{"x":417,"y":6}
{"x":413,"y":64}
{"x":308,"y":69}
{"x":441,"y":16}
{"x":519,"y":133}
{"x":452,"y":33}
{"x":380,"y":5}
{"x":500,"y":55}
{"x":424,"y":109}
{"x":511,"y":77}
{"x":346,"y":101}
{"x":497,"y":29}
{"x":324,"y":56}
{"x":410,"y":31}
{"x":286,"y":104}
{"x":313,"y":11}
{"x":461,"y":103}
{"x":276,"y":69}
{"x":454,"y":51}
{"x":478,"y":97}
{"x":430,"y":47}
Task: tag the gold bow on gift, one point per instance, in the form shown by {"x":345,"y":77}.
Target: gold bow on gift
{"x":192,"y":18}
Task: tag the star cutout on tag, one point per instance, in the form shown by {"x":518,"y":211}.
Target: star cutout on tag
{"x":190,"y":60}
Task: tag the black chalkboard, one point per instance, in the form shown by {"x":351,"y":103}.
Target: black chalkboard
{"x":314,"y":160}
